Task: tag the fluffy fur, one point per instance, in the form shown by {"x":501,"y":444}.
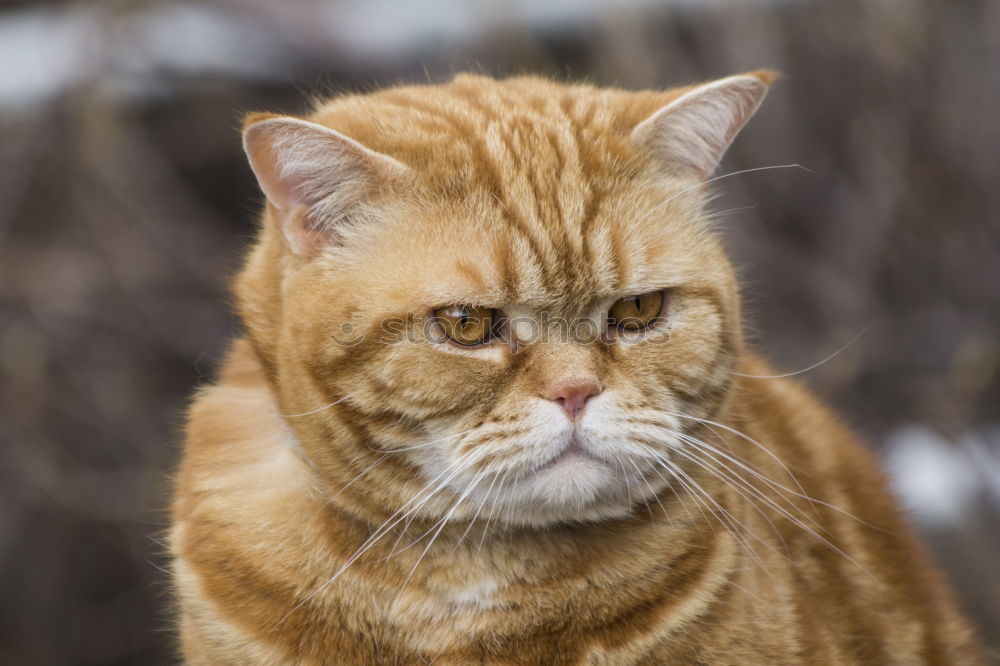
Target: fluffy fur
{"x":356,"y":491}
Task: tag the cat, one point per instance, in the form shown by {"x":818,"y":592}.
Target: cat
{"x":493,"y":405}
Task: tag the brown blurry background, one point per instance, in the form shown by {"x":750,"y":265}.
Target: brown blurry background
{"x":125,"y":204}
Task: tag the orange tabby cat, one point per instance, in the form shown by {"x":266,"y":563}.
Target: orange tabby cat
{"x":494,"y":406}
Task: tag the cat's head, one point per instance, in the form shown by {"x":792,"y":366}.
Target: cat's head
{"x":500,"y":297}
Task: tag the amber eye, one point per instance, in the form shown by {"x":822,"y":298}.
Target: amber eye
{"x":467,"y":325}
{"x":636,"y":312}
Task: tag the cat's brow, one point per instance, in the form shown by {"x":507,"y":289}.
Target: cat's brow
{"x":469,"y":299}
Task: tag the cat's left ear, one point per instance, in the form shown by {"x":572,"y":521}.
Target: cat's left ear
{"x":315,"y":179}
{"x":691,"y":133}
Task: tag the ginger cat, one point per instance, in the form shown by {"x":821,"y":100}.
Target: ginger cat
{"x":493,"y":406}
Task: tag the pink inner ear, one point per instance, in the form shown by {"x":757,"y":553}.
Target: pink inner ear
{"x":304,"y":230}
{"x":692,"y":133}
{"x":314,"y":177}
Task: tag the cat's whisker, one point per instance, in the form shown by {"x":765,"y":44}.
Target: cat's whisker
{"x":701,"y":185}
{"x":770,"y":482}
{"x":426,"y":444}
{"x":423,"y":497}
{"x":651,"y":492}
{"x":493,"y":510}
{"x":467,"y":458}
{"x":439,"y":521}
{"x":455,"y":506}
{"x":443,"y":522}
{"x":759,"y":495}
{"x":668,"y":484}
{"x":763,"y":168}
{"x":384,"y":455}
{"x":363,"y":472}
{"x":412,"y":515}
{"x":811,"y":367}
{"x":747,"y":438}
{"x":671,"y":468}
{"x":699,"y":495}
{"x":482,"y":505}
{"x":774,"y":485}
{"x":503,"y":477}
{"x":753,"y":504}
{"x":685,"y":480}
{"x":628,"y":484}
{"x":778,"y":486}
{"x":733,"y":526}
{"x":732,"y":455}
{"x":720,"y":457}
{"x":318,"y":409}
{"x":728,"y":479}
{"x":719,"y":214}
{"x":506,"y":499}
{"x":798,"y":523}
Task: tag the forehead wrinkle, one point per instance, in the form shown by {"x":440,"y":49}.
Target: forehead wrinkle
{"x":516,"y":194}
{"x":464,"y":285}
{"x":557,"y":202}
{"x":482,"y":265}
{"x":549,"y":162}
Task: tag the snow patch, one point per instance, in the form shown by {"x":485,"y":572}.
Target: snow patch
{"x":941,"y":479}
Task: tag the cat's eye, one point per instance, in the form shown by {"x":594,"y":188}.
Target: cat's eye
{"x":467,"y":326}
{"x":636,"y":312}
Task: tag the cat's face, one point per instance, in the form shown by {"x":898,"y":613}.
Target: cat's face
{"x":516,"y":327}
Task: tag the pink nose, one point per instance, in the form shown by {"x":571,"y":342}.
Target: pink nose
{"x":572,"y":395}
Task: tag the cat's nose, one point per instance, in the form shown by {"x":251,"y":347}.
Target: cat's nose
{"x":572,"y":395}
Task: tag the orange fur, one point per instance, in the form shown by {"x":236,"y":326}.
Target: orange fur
{"x":762,"y":533}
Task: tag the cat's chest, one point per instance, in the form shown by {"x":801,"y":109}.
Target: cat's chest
{"x":460,"y":602}
{"x":477,"y":595}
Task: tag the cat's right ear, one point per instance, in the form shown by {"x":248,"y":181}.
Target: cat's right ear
{"x":690,"y":134}
{"x":315,"y":179}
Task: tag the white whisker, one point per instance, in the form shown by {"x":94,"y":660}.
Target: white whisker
{"x":826,"y":542}
{"x":433,"y":441}
{"x":733,"y":526}
{"x":496,"y":509}
{"x":421,"y":497}
{"x":482,"y":504}
{"x":748,"y":439}
{"x":651,"y":492}
{"x":700,"y":185}
{"x":443,"y":522}
{"x":318,"y":409}
{"x":350,"y":483}
{"x":728,"y":480}
{"x":774,"y":484}
{"x":811,"y":367}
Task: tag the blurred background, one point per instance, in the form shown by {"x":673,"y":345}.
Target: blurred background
{"x":125,"y":205}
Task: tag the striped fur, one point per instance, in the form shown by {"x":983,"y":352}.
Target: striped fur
{"x":717,"y":519}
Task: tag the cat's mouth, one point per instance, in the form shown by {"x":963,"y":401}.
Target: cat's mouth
{"x":572,"y":455}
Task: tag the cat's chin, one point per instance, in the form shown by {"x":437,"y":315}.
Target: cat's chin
{"x":573,"y":486}
{"x":571,"y":459}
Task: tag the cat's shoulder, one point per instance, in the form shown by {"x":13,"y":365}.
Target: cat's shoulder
{"x":778,"y":406}
{"x":236,"y":442}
